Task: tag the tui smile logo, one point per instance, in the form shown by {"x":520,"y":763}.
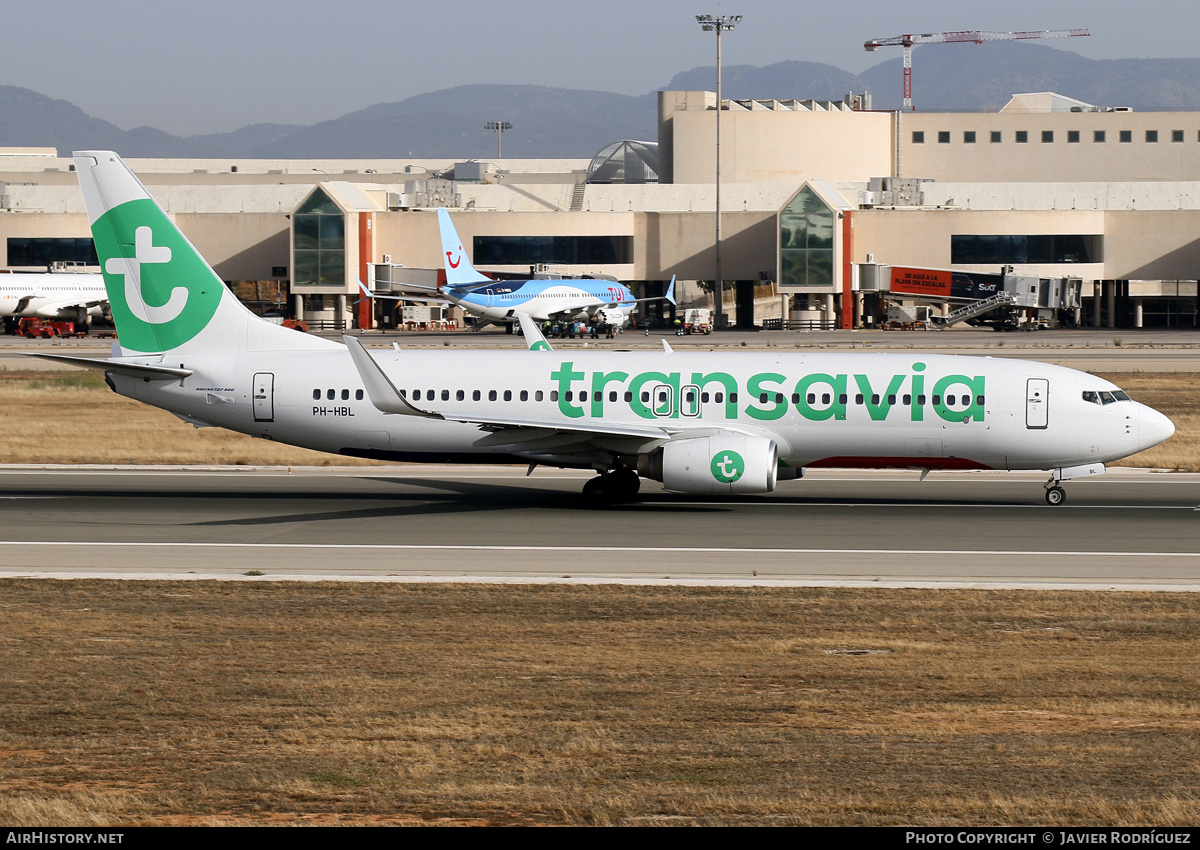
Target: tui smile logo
{"x":161,"y":292}
{"x":727,"y":466}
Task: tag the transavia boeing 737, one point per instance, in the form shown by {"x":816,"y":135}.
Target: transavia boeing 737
{"x":502,"y":301}
{"x":703,"y":422}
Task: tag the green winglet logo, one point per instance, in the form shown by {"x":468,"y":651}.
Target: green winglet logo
{"x":161,"y":292}
{"x":540,"y":345}
{"x":727,"y":466}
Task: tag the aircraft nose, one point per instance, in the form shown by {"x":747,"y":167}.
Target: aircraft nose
{"x":1153,"y":428}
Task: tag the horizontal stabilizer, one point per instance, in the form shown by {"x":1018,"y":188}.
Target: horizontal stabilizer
{"x":124,"y":367}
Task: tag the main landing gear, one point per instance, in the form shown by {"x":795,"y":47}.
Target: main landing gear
{"x":620,"y":485}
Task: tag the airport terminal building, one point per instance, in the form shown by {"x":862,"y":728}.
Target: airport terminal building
{"x":816,"y":198}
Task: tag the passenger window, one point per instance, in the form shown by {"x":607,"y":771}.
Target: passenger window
{"x":445,"y":395}
{"x":762,"y":398}
{"x":874,"y":398}
{"x":358,"y":394}
{"x":329,"y":394}
{"x":553,"y":395}
{"x":598,"y":396}
{"x":345,"y":395}
{"x":460,"y":395}
{"x":316,"y":394}
{"x":628,"y":396}
{"x":645,"y":397}
{"x":524,"y":395}
{"x":719,"y":398}
{"x":921,"y":399}
{"x":906,"y":399}
{"x":704,"y":398}
{"x":811,"y":398}
{"x":825,"y":397}
{"x":979,"y":400}
{"x":612,"y":396}
{"x":779,"y":398}
{"x":537,"y":396}
{"x":842,"y":398}
{"x":476,"y":395}
{"x":891,"y":398}
{"x":732,"y":398}
{"x":858,"y":399}
{"x":949,"y":401}
{"x":491,"y":395}
{"x":937,"y":399}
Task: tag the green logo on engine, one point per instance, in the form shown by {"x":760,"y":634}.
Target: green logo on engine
{"x":727,"y":466}
{"x":161,"y":292}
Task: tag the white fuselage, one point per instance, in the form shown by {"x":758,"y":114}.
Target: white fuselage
{"x":557,"y":300}
{"x":52,"y":296}
{"x":849,"y":410}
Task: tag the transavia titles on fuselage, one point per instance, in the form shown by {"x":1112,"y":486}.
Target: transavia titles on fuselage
{"x":699,"y":422}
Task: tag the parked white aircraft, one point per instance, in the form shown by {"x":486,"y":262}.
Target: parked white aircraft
{"x":67,"y":296}
{"x":702,"y":422}
{"x":543,"y":299}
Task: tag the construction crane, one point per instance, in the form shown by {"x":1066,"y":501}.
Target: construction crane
{"x":977,"y":36}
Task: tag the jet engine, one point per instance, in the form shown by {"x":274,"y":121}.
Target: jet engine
{"x":725,"y":464}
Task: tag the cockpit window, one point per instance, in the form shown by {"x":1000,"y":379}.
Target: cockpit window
{"x":1104,"y":396}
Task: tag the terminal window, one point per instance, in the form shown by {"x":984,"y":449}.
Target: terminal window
{"x":319,"y":236}
{"x":1022,"y":137}
{"x":1098,"y":136}
{"x":567,"y":250}
{"x":968,"y":137}
{"x":1072,"y":137}
{"x":918,"y":137}
{"x":1177,"y":135}
{"x":1037,"y":248}
{"x":1047,"y":136}
{"x":995,"y":137}
{"x":943,"y":137}
{"x":1151,"y":136}
{"x":1126,"y":136}
{"x":23,"y":251}
{"x":806,"y":228}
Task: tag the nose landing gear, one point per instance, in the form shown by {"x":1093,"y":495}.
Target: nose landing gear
{"x":1055,"y":495}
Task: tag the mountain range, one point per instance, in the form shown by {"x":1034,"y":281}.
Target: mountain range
{"x":571,"y":123}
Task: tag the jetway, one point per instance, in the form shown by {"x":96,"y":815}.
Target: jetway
{"x":1006,"y":298}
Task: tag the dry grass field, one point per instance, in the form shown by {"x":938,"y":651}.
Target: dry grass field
{"x":72,"y":417}
{"x":239,"y":703}
{"x":126,"y":703}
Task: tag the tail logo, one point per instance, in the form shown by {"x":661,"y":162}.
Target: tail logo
{"x":145,"y":252}
{"x":161,"y":291}
{"x":452,"y":262}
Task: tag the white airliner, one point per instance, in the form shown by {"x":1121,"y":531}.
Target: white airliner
{"x":699,"y":422}
{"x":67,"y":296}
{"x":544,"y":300}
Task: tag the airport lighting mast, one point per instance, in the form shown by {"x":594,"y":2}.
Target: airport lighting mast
{"x":718,"y":24}
{"x":499,"y":127}
{"x":977,"y":36}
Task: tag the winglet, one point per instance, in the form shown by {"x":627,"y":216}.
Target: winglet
{"x":667,"y":348}
{"x":458,"y":268}
{"x":533,"y":336}
{"x":670,"y":296}
{"x":380,"y":389}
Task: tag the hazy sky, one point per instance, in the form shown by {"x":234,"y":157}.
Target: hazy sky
{"x":190,"y":67}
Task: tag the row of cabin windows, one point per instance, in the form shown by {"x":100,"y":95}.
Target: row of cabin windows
{"x":1022,"y":136}
{"x":689,"y":397}
{"x":333,"y":394}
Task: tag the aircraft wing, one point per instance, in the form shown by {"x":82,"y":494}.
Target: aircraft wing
{"x":669,"y":297}
{"x":427,"y":298}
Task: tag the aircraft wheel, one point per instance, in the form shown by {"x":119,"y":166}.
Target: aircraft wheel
{"x":1056,"y":496}
{"x":626,"y":482}
{"x":599,"y":492}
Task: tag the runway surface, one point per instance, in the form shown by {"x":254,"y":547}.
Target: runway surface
{"x":1126,"y":530}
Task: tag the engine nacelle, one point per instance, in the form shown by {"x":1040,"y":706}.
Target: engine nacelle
{"x":726,"y":464}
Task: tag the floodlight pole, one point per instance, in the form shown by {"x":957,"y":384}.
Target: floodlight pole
{"x":718,"y":24}
{"x":499,"y":127}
